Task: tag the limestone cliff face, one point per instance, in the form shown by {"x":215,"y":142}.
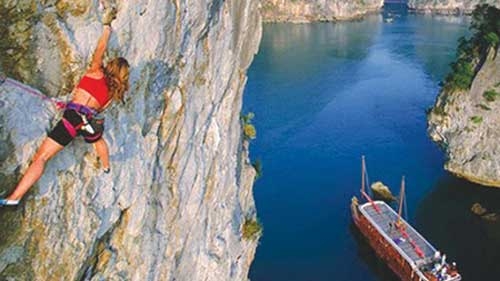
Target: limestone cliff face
{"x":317,"y":10}
{"x":180,"y":186}
{"x":468,"y":127}
{"x":448,"y":6}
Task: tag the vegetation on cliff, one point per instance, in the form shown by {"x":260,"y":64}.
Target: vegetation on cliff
{"x":249,"y":131}
{"x":472,"y":52}
{"x":252,"y":229}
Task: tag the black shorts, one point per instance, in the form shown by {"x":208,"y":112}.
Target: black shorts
{"x":61,"y":135}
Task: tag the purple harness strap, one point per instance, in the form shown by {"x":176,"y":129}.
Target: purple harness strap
{"x":81,"y":109}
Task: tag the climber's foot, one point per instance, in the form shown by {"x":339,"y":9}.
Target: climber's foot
{"x":7,"y":202}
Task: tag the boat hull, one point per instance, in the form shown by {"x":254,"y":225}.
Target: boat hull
{"x":384,"y":251}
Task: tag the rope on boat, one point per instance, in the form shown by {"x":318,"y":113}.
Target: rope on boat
{"x":403,"y":232}
{"x":367,"y":197}
{"x":414,"y":245}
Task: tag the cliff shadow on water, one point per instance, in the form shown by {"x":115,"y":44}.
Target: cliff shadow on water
{"x":369,"y":257}
{"x":475,"y":240}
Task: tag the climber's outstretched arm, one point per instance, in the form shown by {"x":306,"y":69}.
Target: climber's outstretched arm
{"x":102,"y":43}
{"x":100,"y":49}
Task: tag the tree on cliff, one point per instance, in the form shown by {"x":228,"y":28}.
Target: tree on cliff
{"x":472,"y":52}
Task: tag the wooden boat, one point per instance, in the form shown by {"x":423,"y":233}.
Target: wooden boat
{"x":409,"y":255}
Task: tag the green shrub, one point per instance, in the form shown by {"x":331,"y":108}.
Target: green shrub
{"x":248,"y":118}
{"x":490,"y":95}
{"x":252,"y":229}
{"x":249,"y":130}
{"x":472,"y":52}
{"x":476,"y":119}
{"x":461,"y":76}
{"x":257,"y":165}
{"x":483,"y":106}
{"x":491,"y":39}
{"x":438,"y":110}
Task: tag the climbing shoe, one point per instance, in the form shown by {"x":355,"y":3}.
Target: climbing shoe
{"x":7,"y":202}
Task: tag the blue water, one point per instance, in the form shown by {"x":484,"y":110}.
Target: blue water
{"x":323,"y":95}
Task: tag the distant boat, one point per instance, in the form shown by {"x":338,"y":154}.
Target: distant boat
{"x":388,"y":20}
{"x":397,"y":243}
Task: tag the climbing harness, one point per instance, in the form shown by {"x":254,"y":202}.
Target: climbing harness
{"x":92,"y":127}
{"x":92,"y":124}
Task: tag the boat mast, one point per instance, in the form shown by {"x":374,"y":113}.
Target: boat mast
{"x":363,"y":182}
{"x":362,"y":174}
{"x":400,"y":226}
{"x":402,"y":197}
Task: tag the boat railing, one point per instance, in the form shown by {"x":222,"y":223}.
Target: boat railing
{"x":410,"y":261}
{"x":417,"y":265}
{"x":458,"y":277}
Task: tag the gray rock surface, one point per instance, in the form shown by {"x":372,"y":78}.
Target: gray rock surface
{"x":180,"y":186}
{"x":448,"y":6}
{"x":468,"y":127}
{"x":316,"y":10}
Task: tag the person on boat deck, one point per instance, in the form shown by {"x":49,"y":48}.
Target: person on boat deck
{"x":98,"y":88}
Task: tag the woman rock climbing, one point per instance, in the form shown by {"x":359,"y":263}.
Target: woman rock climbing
{"x":99,"y":87}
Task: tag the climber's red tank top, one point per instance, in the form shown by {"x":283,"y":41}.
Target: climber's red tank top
{"x":96,"y":88}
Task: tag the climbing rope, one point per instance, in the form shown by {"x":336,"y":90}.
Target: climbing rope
{"x":4,"y":79}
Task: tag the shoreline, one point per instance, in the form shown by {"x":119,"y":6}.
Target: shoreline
{"x":440,"y":12}
{"x":456,"y":12}
{"x":305,"y":20}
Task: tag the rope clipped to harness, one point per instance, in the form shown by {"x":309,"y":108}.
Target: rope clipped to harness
{"x":4,"y":79}
{"x":92,"y":126}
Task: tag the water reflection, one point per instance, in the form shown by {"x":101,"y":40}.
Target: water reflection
{"x":305,"y":59}
{"x":435,"y":47}
{"x":312,"y":43}
{"x":426,"y":38}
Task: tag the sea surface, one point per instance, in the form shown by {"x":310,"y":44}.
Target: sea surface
{"x":324,"y":94}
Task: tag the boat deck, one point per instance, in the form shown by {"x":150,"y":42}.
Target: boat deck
{"x":383,"y":220}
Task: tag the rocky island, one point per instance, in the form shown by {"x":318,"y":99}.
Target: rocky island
{"x":318,"y":10}
{"x":465,"y":119}
{"x":447,"y":6}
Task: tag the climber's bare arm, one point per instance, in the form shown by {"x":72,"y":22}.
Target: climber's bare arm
{"x":100,"y":49}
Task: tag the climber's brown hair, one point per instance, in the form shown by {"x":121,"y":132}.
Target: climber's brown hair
{"x":116,"y":72}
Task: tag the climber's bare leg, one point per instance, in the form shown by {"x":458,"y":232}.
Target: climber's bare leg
{"x":102,"y":151}
{"x":47,"y":150}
